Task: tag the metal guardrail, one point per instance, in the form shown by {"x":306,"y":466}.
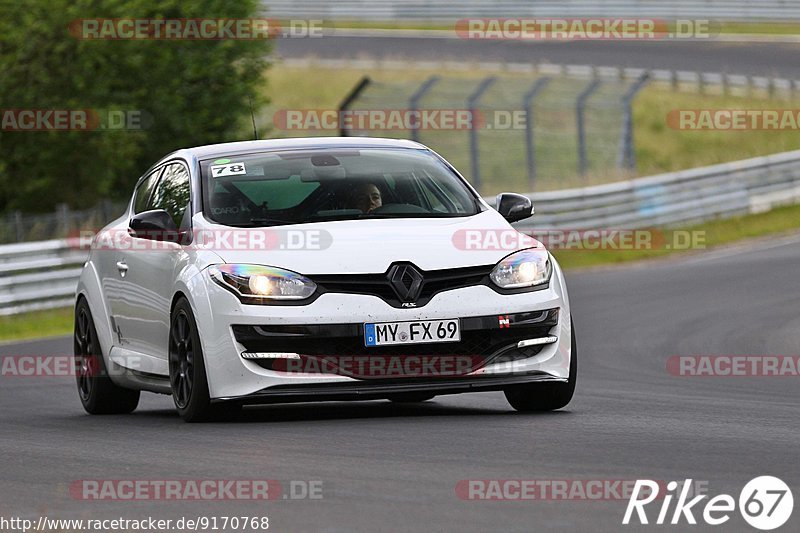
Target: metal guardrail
{"x":453,"y":9}
{"x":41,"y":275}
{"x":678,"y":198}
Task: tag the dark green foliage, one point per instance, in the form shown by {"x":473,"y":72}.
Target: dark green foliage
{"x":189,"y":92}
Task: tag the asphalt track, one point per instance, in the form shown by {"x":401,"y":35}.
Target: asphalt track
{"x":758,"y":59}
{"x":386,"y":467}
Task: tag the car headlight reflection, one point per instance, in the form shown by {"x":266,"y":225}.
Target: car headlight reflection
{"x":526,"y":268}
{"x":259,"y":284}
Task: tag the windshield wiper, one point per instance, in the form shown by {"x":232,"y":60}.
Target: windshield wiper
{"x":430,"y":214}
{"x":262,"y":222}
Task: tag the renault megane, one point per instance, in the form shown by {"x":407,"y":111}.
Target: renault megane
{"x":318,"y":270}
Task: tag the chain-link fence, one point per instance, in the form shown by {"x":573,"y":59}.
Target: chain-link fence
{"x":19,"y":227}
{"x":527,"y":134}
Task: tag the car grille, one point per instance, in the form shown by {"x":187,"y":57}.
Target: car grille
{"x":434,"y":282}
{"x":483,"y":339}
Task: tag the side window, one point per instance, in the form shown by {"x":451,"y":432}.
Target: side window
{"x":143,"y":192}
{"x":172,"y":192}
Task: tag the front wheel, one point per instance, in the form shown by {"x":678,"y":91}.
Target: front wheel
{"x":534,"y":397}
{"x":187,"y":370}
{"x":99,"y":395}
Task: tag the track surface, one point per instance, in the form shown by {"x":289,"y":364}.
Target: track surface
{"x":386,"y":467}
{"x":763,"y":59}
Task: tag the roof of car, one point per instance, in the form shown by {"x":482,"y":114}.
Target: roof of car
{"x":214,"y":150}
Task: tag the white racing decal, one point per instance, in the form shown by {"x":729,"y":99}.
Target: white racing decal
{"x":229,"y":169}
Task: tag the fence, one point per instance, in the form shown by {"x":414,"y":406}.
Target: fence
{"x":526,"y":132}
{"x":44,"y":274}
{"x":576,"y":125}
{"x":18,"y":227}
{"x":452,"y":9}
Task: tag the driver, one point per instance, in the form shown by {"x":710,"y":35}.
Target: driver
{"x":366,"y":197}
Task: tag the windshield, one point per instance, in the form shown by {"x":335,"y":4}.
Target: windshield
{"x":295,"y":187}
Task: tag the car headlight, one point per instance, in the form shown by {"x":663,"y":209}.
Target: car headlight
{"x":259,"y":284}
{"x":526,"y":268}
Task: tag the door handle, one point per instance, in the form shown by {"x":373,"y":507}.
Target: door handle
{"x":122,"y":266}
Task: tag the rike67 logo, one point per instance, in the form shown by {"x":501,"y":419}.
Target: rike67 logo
{"x":765,"y":503}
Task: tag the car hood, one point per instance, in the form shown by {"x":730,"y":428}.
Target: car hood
{"x":370,"y":246}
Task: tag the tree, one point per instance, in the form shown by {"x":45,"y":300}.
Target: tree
{"x":188,"y":92}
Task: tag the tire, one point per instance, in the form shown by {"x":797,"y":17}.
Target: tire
{"x":535,"y":397}
{"x":99,"y":395}
{"x":187,"y":370}
{"x":411,"y":397}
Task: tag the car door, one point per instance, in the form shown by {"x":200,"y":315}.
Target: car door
{"x":150,"y":268}
{"x":111,"y":260}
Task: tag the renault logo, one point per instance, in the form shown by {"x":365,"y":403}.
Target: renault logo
{"x":406,"y":281}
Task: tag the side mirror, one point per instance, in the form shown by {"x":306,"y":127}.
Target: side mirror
{"x":155,"y":225}
{"x":514,"y":207}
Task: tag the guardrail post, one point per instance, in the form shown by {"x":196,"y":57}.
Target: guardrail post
{"x":472,"y":103}
{"x":413,"y":102}
{"x":62,"y":214}
{"x":354,"y":93}
{"x":530,"y":147}
{"x":580,"y":107}
{"x":626,"y":158}
{"x":19,"y":230}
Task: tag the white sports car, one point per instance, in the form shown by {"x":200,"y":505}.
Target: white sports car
{"x":318,"y":269}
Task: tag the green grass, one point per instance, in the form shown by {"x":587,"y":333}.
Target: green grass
{"x":715,"y":232}
{"x":36,"y":324}
{"x":763,"y":28}
{"x":660,"y":148}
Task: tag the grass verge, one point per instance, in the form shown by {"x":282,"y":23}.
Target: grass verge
{"x":716,"y":233}
{"x":713,"y":233}
{"x":36,"y":324}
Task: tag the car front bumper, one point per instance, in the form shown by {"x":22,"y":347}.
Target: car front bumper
{"x":330,"y":329}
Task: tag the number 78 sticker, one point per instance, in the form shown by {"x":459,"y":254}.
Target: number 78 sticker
{"x":231,"y":169}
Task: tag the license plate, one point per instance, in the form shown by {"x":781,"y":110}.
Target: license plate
{"x":412,"y":332}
